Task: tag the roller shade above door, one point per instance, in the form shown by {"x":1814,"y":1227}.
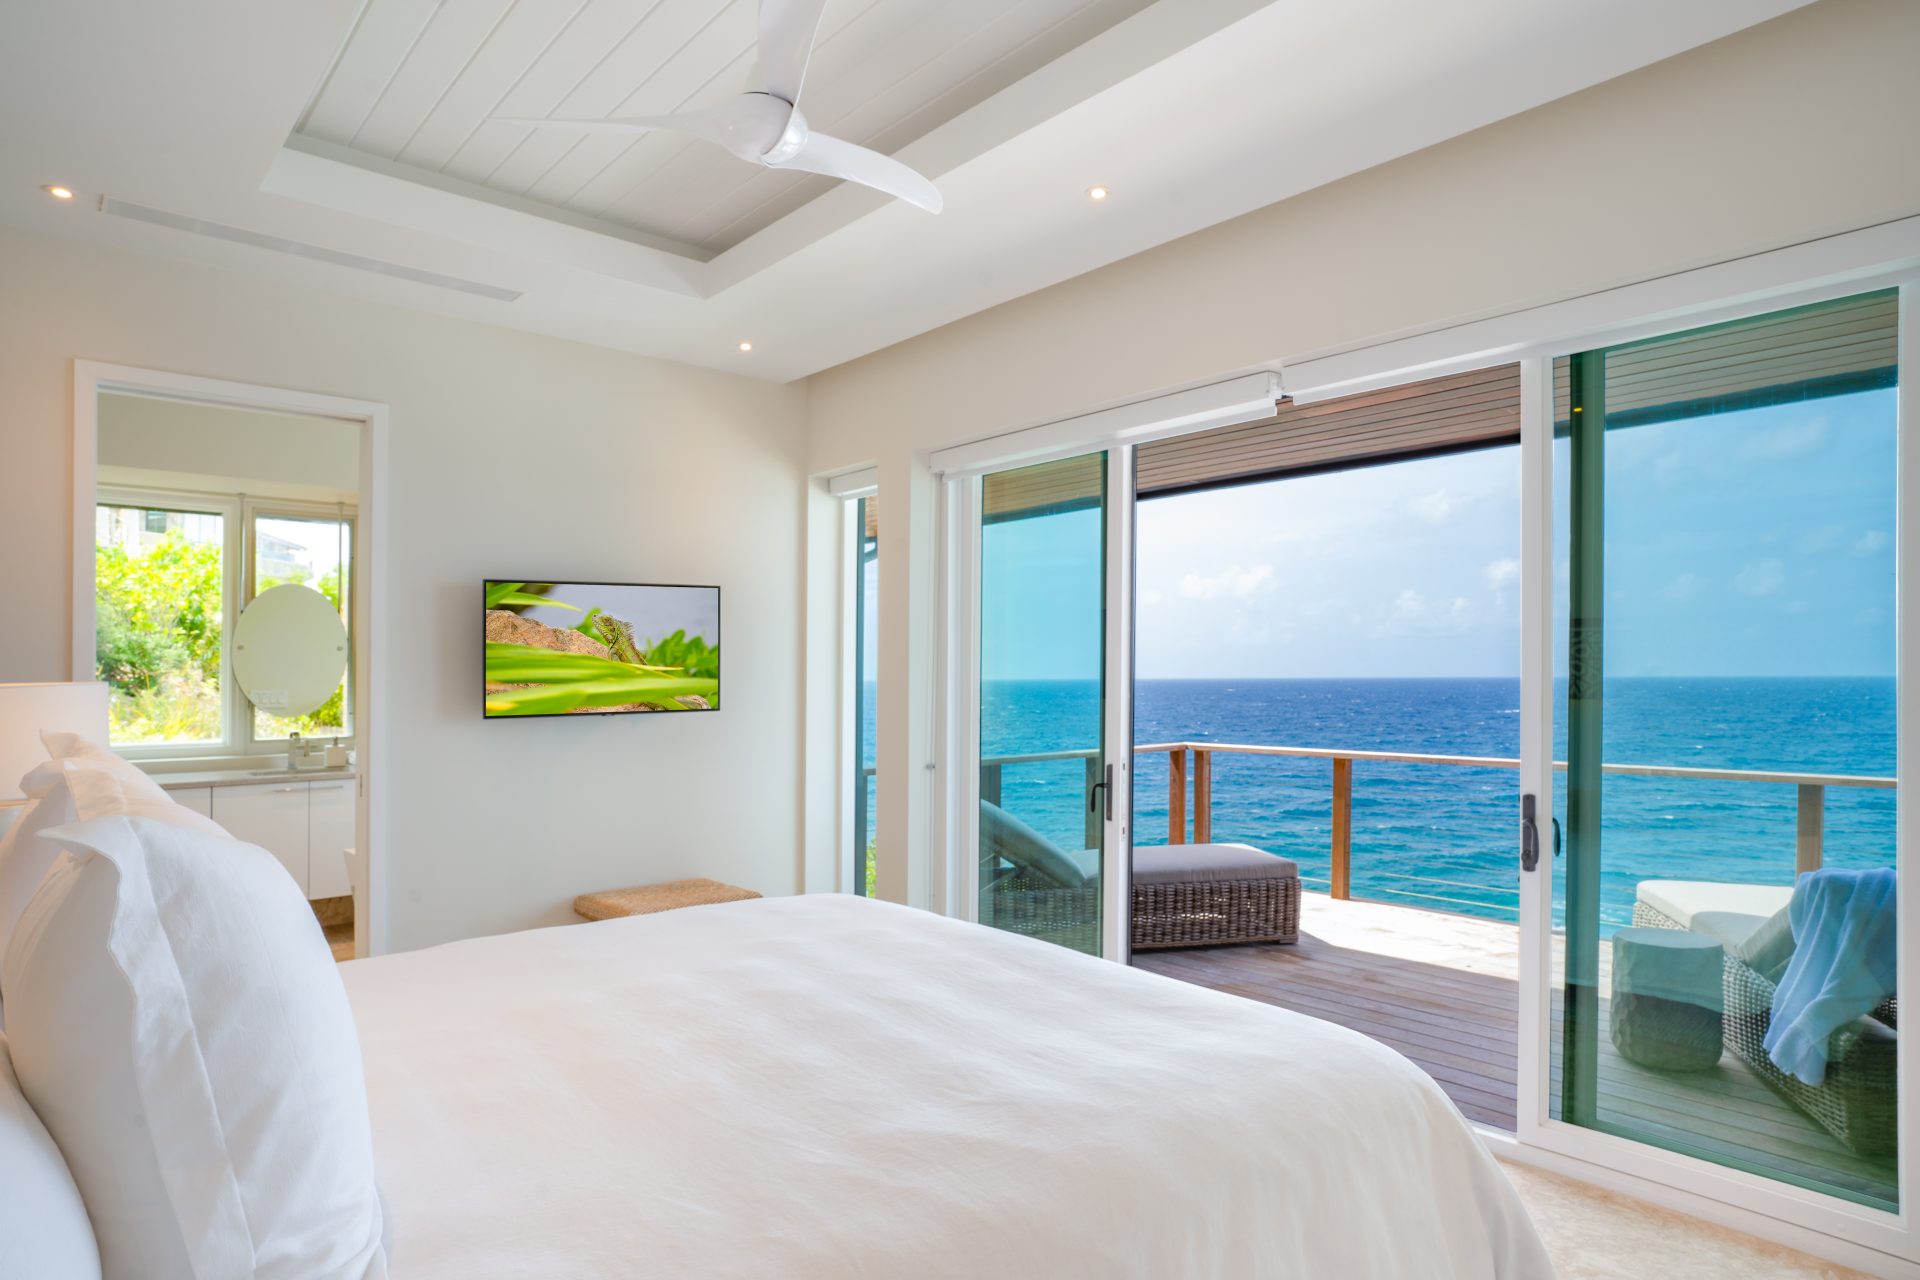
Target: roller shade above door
{"x":1438,"y":415}
{"x":1827,"y":349}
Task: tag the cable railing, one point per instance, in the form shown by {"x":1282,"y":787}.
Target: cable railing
{"x":1190,"y":803}
{"x":1809,"y":813}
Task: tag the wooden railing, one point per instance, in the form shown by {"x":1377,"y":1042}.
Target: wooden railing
{"x":1190,"y":771}
{"x":1809,"y":815}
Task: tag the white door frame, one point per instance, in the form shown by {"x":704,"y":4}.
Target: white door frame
{"x":1116,"y":861}
{"x":1844,"y":1227}
{"x":959,"y":604}
{"x":90,"y":379}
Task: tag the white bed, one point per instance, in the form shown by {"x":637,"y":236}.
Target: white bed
{"x":830,"y":1087}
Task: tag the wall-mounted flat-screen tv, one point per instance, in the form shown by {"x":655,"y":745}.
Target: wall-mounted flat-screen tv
{"x":601,"y":648}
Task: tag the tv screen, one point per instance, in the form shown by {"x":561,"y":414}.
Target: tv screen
{"x":601,"y":648}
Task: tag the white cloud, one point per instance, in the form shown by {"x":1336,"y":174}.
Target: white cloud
{"x":1684,"y":587}
{"x":1870,"y":543}
{"x":1501,"y":574}
{"x":1435,"y":508}
{"x":1763,"y":578}
{"x":1788,"y":440}
{"x":1414,"y":612}
{"x":1230,"y":583}
{"x":1151,"y":597}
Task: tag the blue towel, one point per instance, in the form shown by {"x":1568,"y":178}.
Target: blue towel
{"x":1844,"y":955}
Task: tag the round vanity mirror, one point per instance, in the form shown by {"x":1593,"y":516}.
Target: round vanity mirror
{"x":289,"y":650}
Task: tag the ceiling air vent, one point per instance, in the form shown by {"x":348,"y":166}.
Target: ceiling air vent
{"x":219,"y":231}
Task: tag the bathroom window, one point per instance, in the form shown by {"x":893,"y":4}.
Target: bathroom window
{"x":161,"y":596}
{"x":172,"y":570}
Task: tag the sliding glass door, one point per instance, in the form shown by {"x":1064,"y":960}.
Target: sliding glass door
{"x":1722,"y":936}
{"x":1044,"y":779}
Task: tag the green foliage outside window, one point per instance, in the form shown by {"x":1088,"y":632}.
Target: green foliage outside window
{"x":157,"y":645}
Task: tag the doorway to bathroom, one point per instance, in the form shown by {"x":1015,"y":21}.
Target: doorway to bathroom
{"x":225,"y":591}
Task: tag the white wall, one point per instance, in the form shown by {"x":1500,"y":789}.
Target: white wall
{"x":511,"y":456}
{"x":1799,"y":127}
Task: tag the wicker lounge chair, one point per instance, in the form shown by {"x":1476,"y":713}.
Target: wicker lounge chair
{"x":1858,"y":1101}
{"x":1194,"y":895}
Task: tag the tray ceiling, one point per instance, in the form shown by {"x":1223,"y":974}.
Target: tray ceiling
{"x":418,"y":81}
{"x":348,"y":145}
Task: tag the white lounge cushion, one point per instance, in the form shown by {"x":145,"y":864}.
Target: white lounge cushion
{"x":43,"y":1223}
{"x":1194,"y":863}
{"x":1679,"y":900}
{"x":178,"y":1023}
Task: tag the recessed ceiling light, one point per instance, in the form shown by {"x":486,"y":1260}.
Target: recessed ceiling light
{"x":746,"y":346}
{"x":1097,"y":193}
{"x":59,"y":193}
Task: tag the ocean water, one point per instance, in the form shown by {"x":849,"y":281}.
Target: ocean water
{"x":1445,"y":836}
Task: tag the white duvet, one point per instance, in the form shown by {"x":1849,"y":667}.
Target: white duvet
{"x":829,"y":1087}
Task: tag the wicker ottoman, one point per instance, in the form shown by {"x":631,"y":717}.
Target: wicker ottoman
{"x":1210,"y":895}
{"x":1666,"y":998}
{"x":645,"y":899}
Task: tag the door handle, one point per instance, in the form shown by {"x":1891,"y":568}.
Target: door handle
{"x":1094,"y":797}
{"x":1529,"y":835}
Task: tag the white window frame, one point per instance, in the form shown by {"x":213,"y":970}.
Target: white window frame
{"x":849,"y":490}
{"x":238,"y":513}
{"x":228,"y":507}
{"x":252,"y":510}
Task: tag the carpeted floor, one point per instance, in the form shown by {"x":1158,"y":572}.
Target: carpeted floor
{"x":1598,"y":1235}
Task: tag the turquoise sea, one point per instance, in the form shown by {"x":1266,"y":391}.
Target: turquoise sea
{"x":1444,"y":836}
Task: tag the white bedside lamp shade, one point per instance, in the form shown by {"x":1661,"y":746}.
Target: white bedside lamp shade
{"x":28,"y":709}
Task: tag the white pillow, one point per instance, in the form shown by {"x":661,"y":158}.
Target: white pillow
{"x":43,"y":1223}
{"x":81,"y":780}
{"x":179,"y":1025}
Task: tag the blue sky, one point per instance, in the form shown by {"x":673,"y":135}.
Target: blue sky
{"x":1751,"y":543}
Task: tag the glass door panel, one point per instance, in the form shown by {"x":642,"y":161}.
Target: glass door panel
{"x":866,"y":668}
{"x":1043,"y":576}
{"x":1725,"y":711}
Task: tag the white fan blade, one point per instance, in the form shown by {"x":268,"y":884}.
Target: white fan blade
{"x":787,"y":29}
{"x":838,"y":159}
{"x":746,"y":125}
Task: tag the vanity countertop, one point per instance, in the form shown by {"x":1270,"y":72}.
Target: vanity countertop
{"x":249,"y":777}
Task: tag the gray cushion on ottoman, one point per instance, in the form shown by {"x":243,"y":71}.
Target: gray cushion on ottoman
{"x":1187,"y":863}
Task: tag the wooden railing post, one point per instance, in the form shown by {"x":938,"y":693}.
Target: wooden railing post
{"x":1341,"y":876}
{"x":1177,"y":796}
{"x":990,"y":782}
{"x":1202,"y":796}
{"x":1809,"y":828}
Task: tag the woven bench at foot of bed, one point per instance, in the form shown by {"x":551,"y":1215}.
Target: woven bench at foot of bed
{"x":645,"y":899}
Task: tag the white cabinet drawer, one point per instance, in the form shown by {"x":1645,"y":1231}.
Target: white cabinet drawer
{"x":273,"y":816}
{"x":330,"y":824}
{"x":198,"y":799}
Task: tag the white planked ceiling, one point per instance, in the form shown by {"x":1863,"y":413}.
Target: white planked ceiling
{"x":418,"y":81}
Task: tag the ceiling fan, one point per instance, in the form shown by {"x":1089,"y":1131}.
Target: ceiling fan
{"x":765,"y":127}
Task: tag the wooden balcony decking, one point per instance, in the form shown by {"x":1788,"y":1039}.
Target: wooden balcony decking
{"x":1444,"y":990}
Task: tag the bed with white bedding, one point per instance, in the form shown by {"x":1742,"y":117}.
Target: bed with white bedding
{"x":825,"y":1086}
